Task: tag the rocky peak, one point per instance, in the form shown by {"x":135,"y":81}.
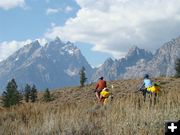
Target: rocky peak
{"x":57,"y":40}
{"x":168,"y":47}
{"x":137,"y":52}
{"x":54,"y":44}
{"x":134,"y":55}
{"x":133,"y":49}
{"x":32,"y":46}
{"x":26,"y":51}
{"x":68,"y":43}
{"x":108,"y":61}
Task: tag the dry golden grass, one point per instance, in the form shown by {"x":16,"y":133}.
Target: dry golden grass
{"x":75,"y":112}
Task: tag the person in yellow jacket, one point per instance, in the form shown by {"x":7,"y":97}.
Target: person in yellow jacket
{"x":149,"y":87}
{"x":104,"y":95}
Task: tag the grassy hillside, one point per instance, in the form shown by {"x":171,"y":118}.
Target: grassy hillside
{"x":75,"y":112}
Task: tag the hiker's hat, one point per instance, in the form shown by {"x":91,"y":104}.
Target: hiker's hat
{"x":146,"y":76}
{"x":101,"y":77}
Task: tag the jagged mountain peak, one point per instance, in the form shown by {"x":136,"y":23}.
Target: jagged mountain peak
{"x":70,"y":49}
{"x":25,"y":51}
{"x":57,"y":39}
{"x":168,"y":47}
{"x":54,"y":65}
{"x":69,"y":43}
{"x":133,"y":48}
{"x":109,"y":61}
{"x":173,"y":42}
{"x":33,"y":45}
{"x":137,"y":51}
{"x":132,"y":51}
{"x":56,"y":43}
{"x":58,"y":46}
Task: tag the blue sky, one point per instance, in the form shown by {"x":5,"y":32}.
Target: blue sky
{"x":100,"y":28}
{"x":34,"y":19}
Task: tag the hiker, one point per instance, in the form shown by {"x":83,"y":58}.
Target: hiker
{"x":151,"y":88}
{"x":99,"y":87}
{"x":146,"y":84}
{"x":104,"y":96}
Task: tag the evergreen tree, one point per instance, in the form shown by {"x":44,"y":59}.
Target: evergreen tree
{"x":33,"y":93}
{"x":82,"y":76}
{"x":27,"y":92}
{"x":47,"y":96}
{"x":11,"y":96}
{"x":177,"y":67}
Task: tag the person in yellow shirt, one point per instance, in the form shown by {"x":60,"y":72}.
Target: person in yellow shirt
{"x":104,"y":95}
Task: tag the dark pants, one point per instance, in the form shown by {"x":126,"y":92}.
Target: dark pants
{"x":145,"y":92}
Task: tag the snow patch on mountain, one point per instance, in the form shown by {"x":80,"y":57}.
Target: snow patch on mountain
{"x":17,"y":59}
{"x":71,"y":71}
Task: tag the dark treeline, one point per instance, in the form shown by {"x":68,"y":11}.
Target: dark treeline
{"x":13,"y":96}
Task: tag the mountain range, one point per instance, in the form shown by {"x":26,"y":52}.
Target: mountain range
{"x":138,"y":62}
{"x":57,"y":64}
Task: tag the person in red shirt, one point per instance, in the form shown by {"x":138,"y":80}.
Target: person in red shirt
{"x":99,"y":87}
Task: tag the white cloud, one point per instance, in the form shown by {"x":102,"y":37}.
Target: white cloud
{"x":8,"y":4}
{"x":115,"y":25}
{"x":8,"y":48}
{"x":68,"y":9}
{"x":52,"y":11}
{"x":56,"y":10}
